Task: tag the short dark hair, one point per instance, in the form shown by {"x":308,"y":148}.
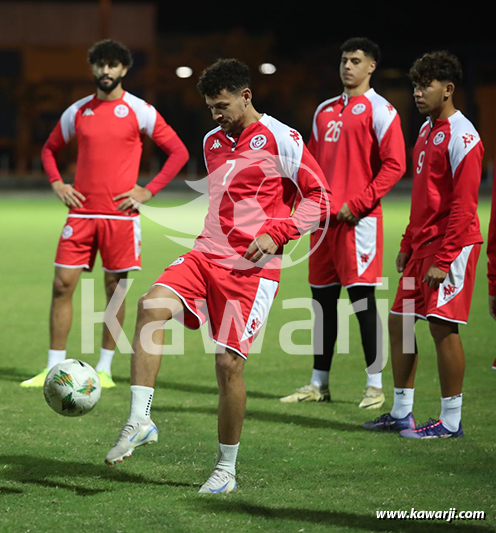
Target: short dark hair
{"x":441,"y":66}
{"x":108,"y":51}
{"x":368,"y":47}
{"x":230,"y":74}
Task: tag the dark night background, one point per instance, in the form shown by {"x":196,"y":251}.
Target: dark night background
{"x":301,"y":39}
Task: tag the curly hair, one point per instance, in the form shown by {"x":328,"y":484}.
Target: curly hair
{"x":230,"y":74}
{"x":108,"y":51}
{"x":368,"y":47}
{"x":440,"y":66}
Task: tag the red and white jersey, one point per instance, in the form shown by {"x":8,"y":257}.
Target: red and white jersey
{"x":447,"y":167}
{"x":359,"y":144}
{"x":109,"y":149}
{"x":254,"y":183}
{"x":491,"y":243}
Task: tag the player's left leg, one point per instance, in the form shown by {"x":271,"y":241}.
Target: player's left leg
{"x":232,"y":402}
{"x":115,"y":290}
{"x":237,"y":309}
{"x":363,"y":300}
{"x":450,"y":356}
{"x":451,"y":366}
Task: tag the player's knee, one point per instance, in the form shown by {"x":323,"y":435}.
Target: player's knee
{"x":228,"y":363}
{"x":363,"y":292}
{"x":148,"y":312}
{"x":114,"y":282}
{"x":110,"y":288}
{"x":440,"y":329}
{"x":62,"y":287}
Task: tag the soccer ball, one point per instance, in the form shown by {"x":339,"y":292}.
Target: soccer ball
{"x":72,"y":388}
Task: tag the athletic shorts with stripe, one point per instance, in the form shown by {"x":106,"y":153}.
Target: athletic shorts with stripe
{"x":347,"y":255}
{"x":118,"y":239}
{"x":234,"y":303}
{"x":450,"y":301}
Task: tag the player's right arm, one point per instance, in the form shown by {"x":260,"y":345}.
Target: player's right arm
{"x":68,"y":194}
{"x":262,"y":245}
{"x":162,"y":134}
{"x":401,"y":261}
{"x":55,"y":142}
{"x":405,"y":250}
{"x":389,"y":135}
{"x":312,"y":208}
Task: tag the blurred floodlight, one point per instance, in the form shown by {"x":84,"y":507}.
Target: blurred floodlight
{"x":184,"y":72}
{"x":267,"y":68}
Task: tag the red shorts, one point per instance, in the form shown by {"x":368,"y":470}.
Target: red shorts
{"x":347,"y":255}
{"x":235,"y":304}
{"x":451,"y":301}
{"x":117,"y":238}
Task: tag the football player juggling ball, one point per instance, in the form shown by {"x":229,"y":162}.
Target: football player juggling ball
{"x":265,"y":189}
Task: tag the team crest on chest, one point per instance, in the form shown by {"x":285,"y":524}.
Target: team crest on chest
{"x":358,"y":109}
{"x":439,"y":138}
{"x":258,"y":142}
{"x":121,"y":111}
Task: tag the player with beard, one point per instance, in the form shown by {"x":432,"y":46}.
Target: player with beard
{"x":108,"y":126}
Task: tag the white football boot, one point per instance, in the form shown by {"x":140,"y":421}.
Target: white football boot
{"x":373,"y":398}
{"x":219,"y":482}
{"x":309,"y":393}
{"x":132,"y":436}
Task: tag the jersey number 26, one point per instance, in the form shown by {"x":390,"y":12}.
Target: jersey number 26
{"x":333,"y":132}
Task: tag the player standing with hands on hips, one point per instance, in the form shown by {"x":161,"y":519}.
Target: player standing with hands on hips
{"x":108,"y":126}
{"x":439,"y":251}
{"x":264,"y":189}
{"x":357,"y":140}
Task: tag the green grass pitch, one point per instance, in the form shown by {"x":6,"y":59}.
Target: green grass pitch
{"x":302,"y":468}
